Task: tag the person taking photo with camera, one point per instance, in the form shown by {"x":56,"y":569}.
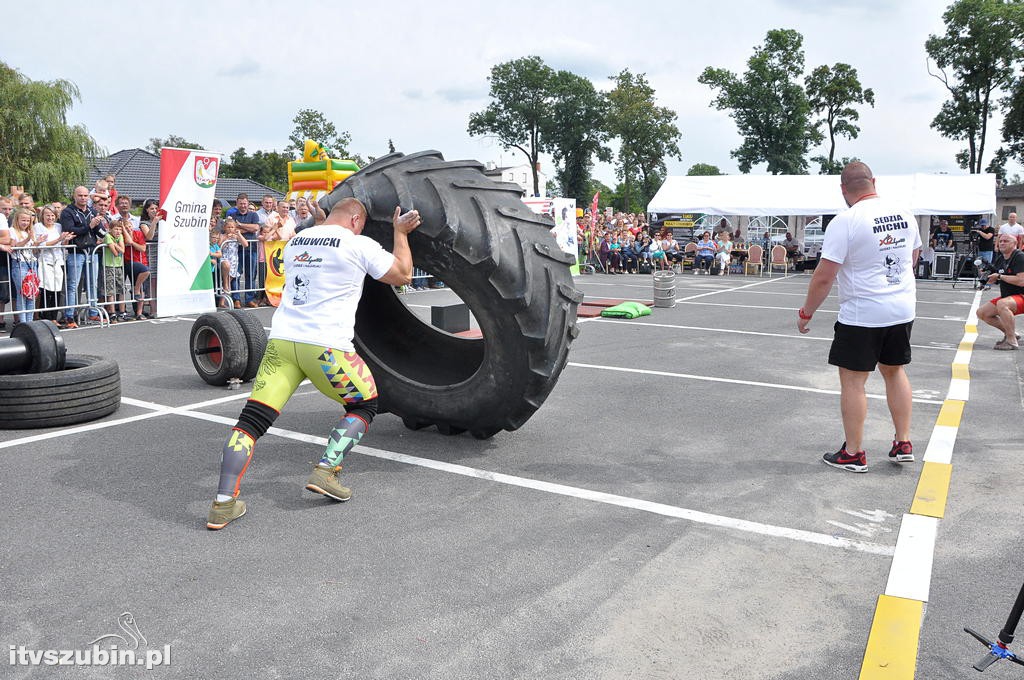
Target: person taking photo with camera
{"x":1009,"y":274}
{"x":985,"y":237}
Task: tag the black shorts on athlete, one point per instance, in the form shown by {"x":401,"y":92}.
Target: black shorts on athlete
{"x":859,"y":348}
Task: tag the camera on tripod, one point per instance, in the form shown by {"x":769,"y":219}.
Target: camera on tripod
{"x":984,"y":269}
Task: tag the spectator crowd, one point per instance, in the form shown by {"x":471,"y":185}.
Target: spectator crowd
{"x":92,"y":259}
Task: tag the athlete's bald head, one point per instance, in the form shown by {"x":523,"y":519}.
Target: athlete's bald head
{"x":348,"y":213}
{"x":856,"y":182}
{"x":349,"y":207}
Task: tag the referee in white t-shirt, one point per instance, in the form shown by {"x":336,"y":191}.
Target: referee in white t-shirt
{"x":871,"y":249}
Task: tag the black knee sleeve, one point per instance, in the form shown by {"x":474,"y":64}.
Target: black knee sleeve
{"x":256,"y":418}
{"x":364,"y":409}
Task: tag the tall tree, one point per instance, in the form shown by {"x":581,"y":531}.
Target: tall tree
{"x":831,"y":93}
{"x":647,"y":134}
{"x":575,"y":132}
{"x":312,"y":124}
{"x":703,"y":169}
{"x":975,"y":61}
{"x":265,"y":167}
{"x":40,"y":151}
{"x":520,"y":108}
{"x":769,"y":105}
{"x":172,"y":141}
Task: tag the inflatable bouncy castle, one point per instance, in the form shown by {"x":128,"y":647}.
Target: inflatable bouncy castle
{"x":317,"y":173}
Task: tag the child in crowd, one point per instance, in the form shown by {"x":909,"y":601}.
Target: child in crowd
{"x":113,"y":272}
{"x":24,"y":239}
{"x":230,"y":241}
{"x":217,"y":263}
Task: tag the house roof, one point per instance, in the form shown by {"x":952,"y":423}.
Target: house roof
{"x":138,"y":176}
{"x":1010,"y":191}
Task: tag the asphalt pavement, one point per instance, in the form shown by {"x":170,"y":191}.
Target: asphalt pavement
{"x":665,"y":514}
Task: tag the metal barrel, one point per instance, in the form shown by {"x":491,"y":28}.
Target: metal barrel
{"x":665,"y":288}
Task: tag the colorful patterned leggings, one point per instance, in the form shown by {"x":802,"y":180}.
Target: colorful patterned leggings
{"x":341,"y":376}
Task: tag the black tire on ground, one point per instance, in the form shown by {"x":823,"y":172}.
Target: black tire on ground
{"x":481,"y":240}
{"x":218,"y":348}
{"x":255,"y":340}
{"x":88,"y":388}
{"x":45,"y":344}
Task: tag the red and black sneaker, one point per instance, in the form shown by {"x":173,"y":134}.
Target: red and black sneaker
{"x":854,"y":462}
{"x":902,"y":452}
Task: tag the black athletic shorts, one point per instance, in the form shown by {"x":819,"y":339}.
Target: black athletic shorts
{"x":859,"y":348}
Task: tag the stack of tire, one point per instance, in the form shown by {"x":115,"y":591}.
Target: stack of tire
{"x":44,"y":386}
{"x":227,"y":346}
{"x":501,"y":259}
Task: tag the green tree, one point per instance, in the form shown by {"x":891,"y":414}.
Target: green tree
{"x":647,"y":134}
{"x":265,"y":167}
{"x":974,"y":60}
{"x":831,"y":93}
{"x":769,"y":105}
{"x":40,"y":151}
{"x":703,"y":169}
{"x":311,"y":124}
{"x":575,"y":132}
{"x":172,"y":141}
{"x":520,"y":108}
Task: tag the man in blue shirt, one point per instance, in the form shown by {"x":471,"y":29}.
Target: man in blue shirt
{"x":249,"y":222}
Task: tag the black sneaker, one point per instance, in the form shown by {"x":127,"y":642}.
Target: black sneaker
{"x":857,"y":462}
{"x":901,"y":452}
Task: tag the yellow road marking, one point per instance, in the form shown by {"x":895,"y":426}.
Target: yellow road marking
{"x":932,"y":490}
{"x":892,"y":644}
{"x":951,"y":413}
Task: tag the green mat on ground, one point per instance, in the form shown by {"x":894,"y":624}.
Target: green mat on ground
{"x":627,"y":310}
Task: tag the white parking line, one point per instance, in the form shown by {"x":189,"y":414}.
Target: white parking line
{"x":662,"y":509}
{"x":734,"y":381}
{"x":794,"y":336}
{"x":576,"y":492}
{"x":793,"y":309}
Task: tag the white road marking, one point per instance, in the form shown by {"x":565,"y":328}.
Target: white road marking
{"x":733,"y":381}
{"x":910,"y":575}
{"x":940,"y":445}
{"x":714,"y":292}
{"x":726,"y":289}
{"x":584,"y":494}
{"x":497,"y":477}
{"x":793,"y":309}
{"x":795,"y":336}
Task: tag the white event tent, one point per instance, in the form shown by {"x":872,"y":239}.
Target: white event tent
{"x":767,"y":195}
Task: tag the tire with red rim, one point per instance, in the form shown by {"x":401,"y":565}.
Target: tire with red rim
{"x":218,"y":348}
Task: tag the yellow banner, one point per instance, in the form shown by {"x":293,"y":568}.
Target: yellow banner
{"x":273,"y":252}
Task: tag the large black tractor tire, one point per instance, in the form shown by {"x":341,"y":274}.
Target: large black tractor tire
{"x":479,"y":238}
{"x":89,"y":387}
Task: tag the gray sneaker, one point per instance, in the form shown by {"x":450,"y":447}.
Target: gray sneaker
{"x":1004,"y":345}
{"x":223,"y":513}
{"x":324,"y":481}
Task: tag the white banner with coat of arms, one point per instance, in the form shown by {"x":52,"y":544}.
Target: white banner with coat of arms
{"x":188,"y":179}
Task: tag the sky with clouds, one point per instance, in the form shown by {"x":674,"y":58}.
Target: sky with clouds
{"x":232,"y":74}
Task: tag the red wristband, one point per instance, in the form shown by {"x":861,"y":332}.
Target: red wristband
{"x":805,"y":317}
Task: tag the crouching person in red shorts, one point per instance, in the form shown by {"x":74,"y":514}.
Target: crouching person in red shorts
{"x":1009,"y":274}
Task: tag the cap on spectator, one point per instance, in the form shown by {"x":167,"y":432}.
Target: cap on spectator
{"x":983,"y":222}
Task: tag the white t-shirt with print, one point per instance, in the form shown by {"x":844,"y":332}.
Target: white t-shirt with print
{"x":324,"y":270}
{"x":874,"y":241}
{"x":1012,"y":229}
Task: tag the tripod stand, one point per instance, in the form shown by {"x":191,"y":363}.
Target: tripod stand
{"x":969,"y":257}
{"x":998,"y":650}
